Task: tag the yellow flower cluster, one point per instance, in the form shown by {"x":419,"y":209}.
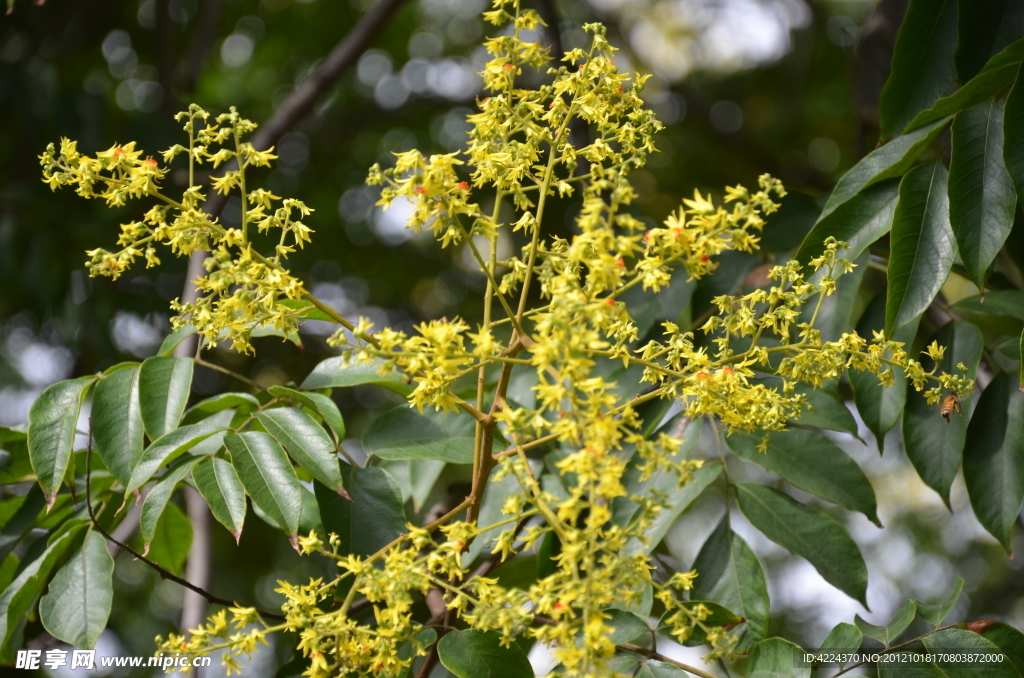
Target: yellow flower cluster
{"x":243,"y":289}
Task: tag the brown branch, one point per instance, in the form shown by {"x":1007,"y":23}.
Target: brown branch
{"x":164,"y":574}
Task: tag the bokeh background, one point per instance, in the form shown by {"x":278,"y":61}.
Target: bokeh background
{"x":743,"y":86}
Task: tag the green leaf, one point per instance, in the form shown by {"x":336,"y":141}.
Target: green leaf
{"x":935,"y":613}
{"x":267,"y":476}
{"x":994,"y":458}
{"x":1013,"y":135}
{"x":164,"y":385}
{"x":306,"y":442}
{"x":806,"y":532}
{"x":374,"y":517}
{"x":813,"y":463}
{"x":171,"y":540}
{"x":403,"y":433}
{"x":879,"y":407}
{"x":732,"y":575}
{"x":984,"y":27}
{"x":979,"y":89}
{"x":51,"y":432}
{"x":679,"y":498}
{"x":309,"y":311}
{"x":204,"y":408}
{"x":1009,"y":303}
{"x":168,"y":448}
{"x":777,"y":658}
{"x":922,"y":63}
{"x":217,"y":481}
{"x":844,"y":638}
{"x":858,"y":222}
{"x":21,"y":594}
{"x":961,"y":641}
{"x":897,"y":625}
{"x":923,"y":246}
{"x":981,"y":196}
{"x":479,"y":654}
{"x":117,"y":422}
{"x":319,"y":403}
{"x":1010,"y":642}
{"x":78,"y":605}
{"x":628,"y":626}
{"x":825,"y":409}
{"x":172,"y":340}
{"x":336,"y":372}
{"x":652,"y":668}
{"x":416,"y":478}
{"x":886,"y":162}
{"x":934,"y":447}
{"x":156,"y":500}
{"x":15,"y":459}
{"x":19,"y":524}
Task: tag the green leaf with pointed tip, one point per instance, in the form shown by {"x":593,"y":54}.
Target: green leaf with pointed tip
{"x":204,"y":408}
{"x":844,"y":638}
{"x":922,"y":246}
{"x":981,"y":196}
{"x":777,"y":658}
{"x":164,"y":385}
{"x":732,"y":575}
{"x":336,"y":373}
{"x":897,"y":625}
{"x":935,"y":613}
{"x":306,"y":442}
{"x":934,"y":447}
{"x":1009,"y":303}
{"x":825,"y":409}
{"x":890,"y":160}
{"x":217,"y":481}
{"x":950,"y":642}
{"x":858,"y":222}
{"x":172,"y":539}
{"x":879,"y":407}
{"x":404,"y":433}
{"x":117,"y":422}
{"x":156,"y":500}
{"x":628,"y":626}
{"x":813,"y":463}
{"x":21,"y":594}
{"x":51,"y":431}
{"x":374,"y":517}
{"x":169,"y":447}
{"x":980,"y":88}
{"x":267,"y":476}
{"x":679,"y":498}
{"x":415,"y":477}
{"x":994,"y":458}
{"x":78,"y":605}
{"x":984,"y":27}
{"x":479,"y":654}
{"x":317,"y":402}
{"x":809,"y":533}
{"x":1010,"y":642}
{"x":922,"y":63}
{"x":172,"y":340}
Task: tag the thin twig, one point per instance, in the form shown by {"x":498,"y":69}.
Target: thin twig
{"x":234,"y":375}
{"x":164,"y":574}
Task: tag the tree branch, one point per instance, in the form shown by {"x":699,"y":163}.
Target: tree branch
{"x":199,"y":44}
{"x":164,"y":574}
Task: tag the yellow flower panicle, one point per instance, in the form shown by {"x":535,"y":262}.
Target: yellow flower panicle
{"x":519,"y":147}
